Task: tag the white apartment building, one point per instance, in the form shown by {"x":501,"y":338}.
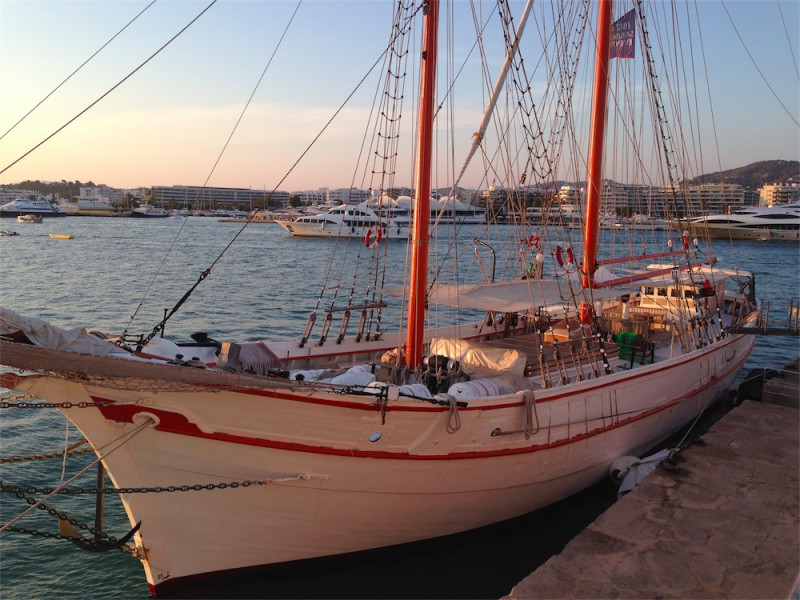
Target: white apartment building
{"x":312,"y":197}
{"x":102,"y":193}
{"x":348,"y":196}
{"x":779,"y":193}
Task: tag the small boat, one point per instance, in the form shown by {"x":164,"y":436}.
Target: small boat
{"x":62,"y":236}
{"x":29,"y":218}
{"x":8,"y":233}
{"x":765,"y":223}
{"x":148,"y":211}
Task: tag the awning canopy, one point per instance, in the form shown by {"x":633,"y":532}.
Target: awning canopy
{"x":528,"y":294}
{"x":515,"y":296}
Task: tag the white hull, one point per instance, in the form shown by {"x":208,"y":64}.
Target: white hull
{"x":336,"y":230}
{"x":446,"y":219}
{"x":333,"y":491}
{"x":741,"y":233}
{"x":779,"y":223}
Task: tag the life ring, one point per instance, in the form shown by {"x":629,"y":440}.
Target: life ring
{"x":559,"y":258}
{"x":586,"y":312}
{"x":371,"y":242}
{"x":533,"y":241}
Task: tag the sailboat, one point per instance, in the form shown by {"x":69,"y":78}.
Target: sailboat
{"x":230,"y":455}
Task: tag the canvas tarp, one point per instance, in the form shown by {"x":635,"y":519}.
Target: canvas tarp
{"x":44,"y":334}
{"x":473,"y":356}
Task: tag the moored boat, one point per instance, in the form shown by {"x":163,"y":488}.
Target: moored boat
{"x":29,"y":218}
{"x":544,"y":370}
{"x":26,"y":206}
{"x":348,"y":221}
{"x":148,"y":211}
{"x":764,"y":223}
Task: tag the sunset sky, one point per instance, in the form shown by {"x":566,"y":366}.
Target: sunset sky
{"x":168,"y":122}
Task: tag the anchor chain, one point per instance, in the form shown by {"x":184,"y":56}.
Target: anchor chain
{"x":124,"y":548}
{"x":52,"y":404}
{"x":145,"y":490}
{"x":60,"y":454}
{"x":19,"y":459}
{"x":20,"y":493}
{"x":107,"y":539}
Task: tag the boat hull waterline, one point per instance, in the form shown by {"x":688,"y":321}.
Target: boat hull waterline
{"x":327,"y":489}
{"x":760,"y":223}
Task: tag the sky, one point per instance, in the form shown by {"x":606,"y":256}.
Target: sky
{"x":167,"y":122}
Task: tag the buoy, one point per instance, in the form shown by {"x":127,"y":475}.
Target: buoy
{"x":371,"y":242}
{"x":620,"y":467}
{"x":586,"y":312}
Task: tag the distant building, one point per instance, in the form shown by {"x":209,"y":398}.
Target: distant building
{"x":8,"y":194}
{"x":712,"y":198}
{"x":779,"y":193}
{"x":202,"y":198}
{"x":348,"y":196}
{"x":102,"y":193}
{"x":312,"y":197}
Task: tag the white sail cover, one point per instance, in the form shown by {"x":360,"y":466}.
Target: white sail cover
{"x":44,"y":334}
{"x":514,"y":296}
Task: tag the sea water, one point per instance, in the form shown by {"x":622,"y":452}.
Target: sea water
{"x":263,"y":287}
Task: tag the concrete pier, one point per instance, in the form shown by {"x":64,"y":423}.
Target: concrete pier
{"x":724,"y":523}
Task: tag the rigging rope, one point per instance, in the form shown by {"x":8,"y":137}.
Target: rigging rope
{"x":83,"y":64}
{"x":128,"y":435}
{"x":750,"y":56}
{"x":114,"y":87}
{"x":162,"y":324}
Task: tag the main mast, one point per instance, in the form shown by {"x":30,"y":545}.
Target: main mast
{"x":422,"y":201}
{"x":594,"y":180}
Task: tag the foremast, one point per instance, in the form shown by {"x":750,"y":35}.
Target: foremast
{"x":420,"y":233}
{"x":594,"y":180}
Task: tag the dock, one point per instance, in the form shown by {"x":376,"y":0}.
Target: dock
{"x":723,"y":523}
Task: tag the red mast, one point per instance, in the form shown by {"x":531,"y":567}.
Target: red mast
{"x":422,"y":201}
{"x":594,"y":177}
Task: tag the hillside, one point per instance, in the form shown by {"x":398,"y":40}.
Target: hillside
{"x":755,"y":175}
{"x":752,"y":176}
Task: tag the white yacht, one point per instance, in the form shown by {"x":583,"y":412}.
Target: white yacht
{"x":780,"y":222}
{"x":348,"y":220}
{"x":26,"y":206}
{"x":445,"y":210}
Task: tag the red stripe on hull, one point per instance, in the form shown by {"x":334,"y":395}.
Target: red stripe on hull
{"x":178,"y":424}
